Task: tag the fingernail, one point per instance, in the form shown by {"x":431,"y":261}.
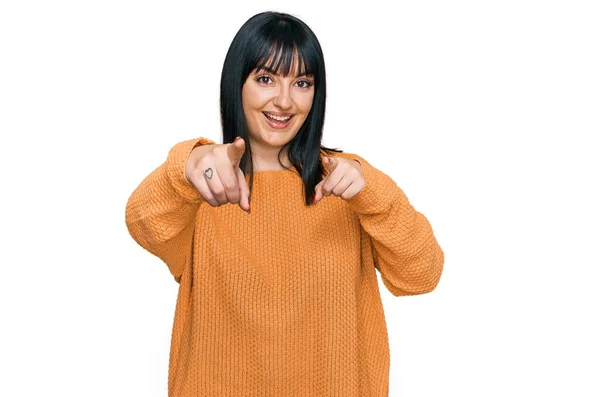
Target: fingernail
{"x":237,"y":138}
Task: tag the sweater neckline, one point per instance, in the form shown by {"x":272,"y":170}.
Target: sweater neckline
{"x":276,"y":173}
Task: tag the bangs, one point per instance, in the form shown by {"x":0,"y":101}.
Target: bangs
{"x":284,"y":59}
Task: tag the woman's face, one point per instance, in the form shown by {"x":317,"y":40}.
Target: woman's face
{"x":265,"y":92}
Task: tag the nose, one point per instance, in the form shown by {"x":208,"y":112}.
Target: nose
{"x":284,"y":99}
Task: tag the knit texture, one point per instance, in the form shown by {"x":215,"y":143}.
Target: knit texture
{"x":283,"y":301}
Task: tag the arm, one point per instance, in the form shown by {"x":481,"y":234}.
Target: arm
{"x":160,"y":213}
{"x":405,"y":250}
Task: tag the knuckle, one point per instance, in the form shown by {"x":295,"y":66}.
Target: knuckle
{"x":221,"y":200}
{"x":234,"y":198}
{"x":230,"y":185}
{"x":218,"y":191}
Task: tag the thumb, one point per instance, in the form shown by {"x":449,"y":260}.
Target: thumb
{"x":329,"y":163}
{"x":236,"y":150}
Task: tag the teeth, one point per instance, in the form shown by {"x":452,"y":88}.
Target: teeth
{"x":277,"y":117}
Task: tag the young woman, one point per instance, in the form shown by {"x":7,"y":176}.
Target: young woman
{"x":281,"y":299}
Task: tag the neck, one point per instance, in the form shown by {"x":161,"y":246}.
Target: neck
{"x":266,"y":159}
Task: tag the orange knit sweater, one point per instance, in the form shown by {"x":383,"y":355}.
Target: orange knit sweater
{"x":283,"y":301}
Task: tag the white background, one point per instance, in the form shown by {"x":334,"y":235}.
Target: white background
{"x":483,"y":112}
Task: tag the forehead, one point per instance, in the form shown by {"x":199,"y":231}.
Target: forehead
{"x":283,"y":64}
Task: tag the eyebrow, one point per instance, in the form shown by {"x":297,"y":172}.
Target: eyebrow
{"x":270,"y":70}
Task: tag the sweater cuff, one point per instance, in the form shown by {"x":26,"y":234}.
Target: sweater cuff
{"x":176,"y":161}
{"x":377,"y":194}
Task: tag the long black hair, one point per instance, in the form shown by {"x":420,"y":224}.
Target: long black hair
{"x":277,"y":37}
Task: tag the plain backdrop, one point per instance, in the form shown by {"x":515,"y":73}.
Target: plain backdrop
{"x":484,"y":112}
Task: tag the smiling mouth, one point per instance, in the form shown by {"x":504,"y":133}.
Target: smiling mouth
{"x":278,"y":118}
{"x":278,"y":124}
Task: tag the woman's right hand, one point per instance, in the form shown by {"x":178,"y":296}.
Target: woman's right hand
{"x":224,"y":182}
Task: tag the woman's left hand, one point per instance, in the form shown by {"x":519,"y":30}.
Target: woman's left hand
{"x":345,"y":178}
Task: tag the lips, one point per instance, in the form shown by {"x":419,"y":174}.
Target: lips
{"x":278,"y":115}
{"x":277,"y":124}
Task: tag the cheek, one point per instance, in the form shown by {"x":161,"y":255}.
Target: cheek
{"x":305,"y":103}
{"x":254,"y":100}
{"x":249,"y":98}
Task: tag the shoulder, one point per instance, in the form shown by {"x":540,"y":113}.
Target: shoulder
{"x":345,"y":155}
{"x":351,"y":156}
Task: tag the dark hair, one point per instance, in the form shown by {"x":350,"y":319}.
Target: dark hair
{"x":277,"y":37}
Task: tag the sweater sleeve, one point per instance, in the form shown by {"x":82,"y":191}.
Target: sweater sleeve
{"x":160,"y":213}
{"x":405,"y":250}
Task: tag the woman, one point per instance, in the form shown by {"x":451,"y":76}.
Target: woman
{"x":282,"y":300}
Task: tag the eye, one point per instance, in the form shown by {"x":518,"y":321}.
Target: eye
{"x":264,"y":76}
{"x":308,"y":84}
{"x":264,"y":79}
